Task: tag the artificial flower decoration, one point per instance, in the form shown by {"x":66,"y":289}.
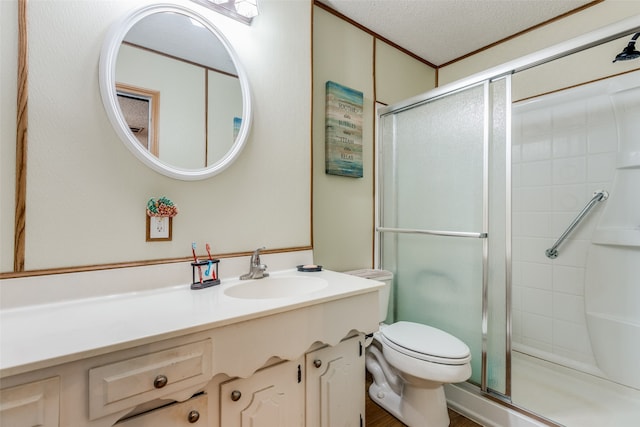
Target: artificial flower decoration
{"x":161,"y":207}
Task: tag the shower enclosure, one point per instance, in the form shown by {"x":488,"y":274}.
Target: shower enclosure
{"x":435,"y":220}
{"x":458,"y":186}
{"x":576,"y":305}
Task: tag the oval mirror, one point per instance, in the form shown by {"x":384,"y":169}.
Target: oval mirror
{"x":175,"y":91}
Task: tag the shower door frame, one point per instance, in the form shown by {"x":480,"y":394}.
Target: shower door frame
{"x":602,"y":35}
{"x":484,"y":212}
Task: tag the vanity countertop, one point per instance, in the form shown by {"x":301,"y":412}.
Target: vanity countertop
{"x":40,"y":336}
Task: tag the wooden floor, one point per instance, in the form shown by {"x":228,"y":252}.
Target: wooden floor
{"x":378,"y":417}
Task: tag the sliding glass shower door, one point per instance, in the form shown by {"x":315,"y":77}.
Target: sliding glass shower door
{"x":435,"y":158}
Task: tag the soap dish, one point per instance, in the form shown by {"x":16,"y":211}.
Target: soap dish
{"x":309,"y":267}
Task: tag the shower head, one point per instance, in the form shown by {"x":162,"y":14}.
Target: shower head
{"x":630,"y":51}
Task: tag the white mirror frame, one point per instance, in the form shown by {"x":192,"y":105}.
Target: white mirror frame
{"x":107,"y":73}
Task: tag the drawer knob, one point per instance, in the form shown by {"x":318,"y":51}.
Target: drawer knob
{"x":235,"y":395}
{"x":193,"y":417}
{"x":160,"y":381}
{"x":317,"y":363}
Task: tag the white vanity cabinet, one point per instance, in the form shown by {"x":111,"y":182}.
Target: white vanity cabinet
{"x":185,"y":358}
{"x":34,"y":404}
{"x":273,"y":396}
{"x":157,"y":379}
{"x":335,"y":385}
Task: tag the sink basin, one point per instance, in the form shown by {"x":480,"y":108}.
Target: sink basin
{"x":276,"y":287}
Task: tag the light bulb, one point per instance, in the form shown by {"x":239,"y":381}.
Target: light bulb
{"x":248,"y":8}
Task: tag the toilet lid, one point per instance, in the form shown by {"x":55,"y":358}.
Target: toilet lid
{"x":425,"y":340}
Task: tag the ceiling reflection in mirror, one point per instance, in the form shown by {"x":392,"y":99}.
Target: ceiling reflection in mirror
{"x":176,"y":92}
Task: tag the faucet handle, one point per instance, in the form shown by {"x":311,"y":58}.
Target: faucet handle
{"x":255,"y":258}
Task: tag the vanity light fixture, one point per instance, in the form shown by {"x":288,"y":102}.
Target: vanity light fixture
{"x":240,"y":10}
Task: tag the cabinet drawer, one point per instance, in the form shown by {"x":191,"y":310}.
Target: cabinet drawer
{"x":192,"y":412}
{"x":34,"y":404}
{"x":125,"y":384}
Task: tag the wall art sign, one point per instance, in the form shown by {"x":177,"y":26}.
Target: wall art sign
{"x":343,"y":131}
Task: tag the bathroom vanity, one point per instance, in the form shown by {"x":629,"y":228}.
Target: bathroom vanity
{"x":178,"y":357}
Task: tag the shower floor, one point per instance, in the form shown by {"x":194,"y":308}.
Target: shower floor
{"x":570,"y":397}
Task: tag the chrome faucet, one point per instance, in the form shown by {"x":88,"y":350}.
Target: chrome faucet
{"x":256,"y":269}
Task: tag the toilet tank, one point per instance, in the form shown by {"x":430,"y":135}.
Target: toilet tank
{"x":384,"y":293}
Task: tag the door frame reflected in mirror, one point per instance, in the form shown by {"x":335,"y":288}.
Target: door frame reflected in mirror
{"x":145,"y":105}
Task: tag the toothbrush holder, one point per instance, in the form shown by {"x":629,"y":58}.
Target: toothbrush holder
{"x":198,"y":270}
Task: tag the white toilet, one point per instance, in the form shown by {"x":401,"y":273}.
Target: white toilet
{"x":410,"y":362}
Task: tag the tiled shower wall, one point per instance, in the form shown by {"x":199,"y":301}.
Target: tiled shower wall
{"x":564,"y":149}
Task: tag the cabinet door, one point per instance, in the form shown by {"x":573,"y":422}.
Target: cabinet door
{"x":273,"y":396}
{"x":336,"y":385}
{"x":192,"y":412}
{"x":34,"y":404}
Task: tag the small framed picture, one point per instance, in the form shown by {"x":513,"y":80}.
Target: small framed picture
{"x":159,"y":228}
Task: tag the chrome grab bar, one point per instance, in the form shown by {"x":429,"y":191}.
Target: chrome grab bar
{"x":598,"y":196}
{"x":432,"y":232}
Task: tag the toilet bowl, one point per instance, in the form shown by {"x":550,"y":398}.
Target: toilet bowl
{"x":410,"y":362}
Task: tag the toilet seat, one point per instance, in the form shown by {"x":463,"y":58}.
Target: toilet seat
{"x":425,"y":343}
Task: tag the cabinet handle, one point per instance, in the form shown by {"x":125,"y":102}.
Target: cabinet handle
{"x":235,"y":395}
{"x":193,"y":416}
{"x":160,"y":381}
{"x":317,"y":363}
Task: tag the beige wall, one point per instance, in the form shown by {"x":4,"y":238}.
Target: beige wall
{"x":399,"y":76}
{"x":575,"y":25}
{"x":343,"y":208}
{"x":87,"y":194}
{"x":586,"y":66}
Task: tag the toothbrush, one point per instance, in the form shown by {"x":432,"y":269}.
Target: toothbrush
{"x":195,"y":259}
{"x":213,"y":273}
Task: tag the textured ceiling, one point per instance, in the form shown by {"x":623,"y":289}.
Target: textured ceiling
{"x":440,"y":31}
{"x":181,"y":37}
